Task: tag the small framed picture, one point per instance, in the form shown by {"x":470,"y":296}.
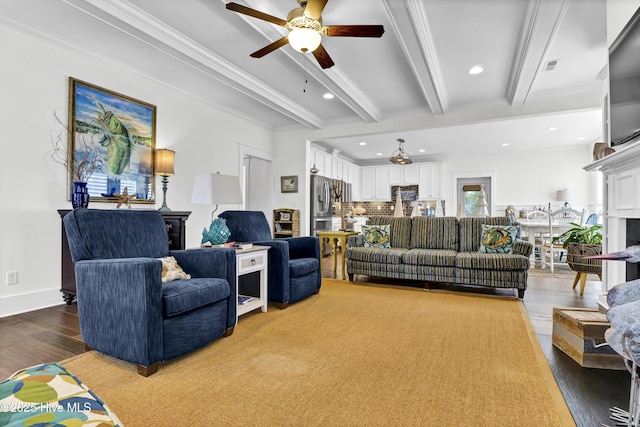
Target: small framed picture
{"x":289,"y":184}
{"x":285,"y":216}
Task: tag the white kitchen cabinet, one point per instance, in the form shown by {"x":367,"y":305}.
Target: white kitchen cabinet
{"x":430,"y":181}
{"x":403,"y":174}
{"x":354,"y":179}
{"x":374,"y":183}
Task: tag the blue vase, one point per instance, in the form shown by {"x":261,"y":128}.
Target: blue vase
{"x":79,"y":195}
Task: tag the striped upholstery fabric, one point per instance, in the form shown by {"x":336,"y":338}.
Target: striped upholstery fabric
{"x":433,"y":257}
{"x":386,"y":255}
{"x":471,"y":231}
{"x":434,"y":233}
{"x":399,"y":230}
{"x":492,"y":261}
{"x":392,"y":271}
{"x":493,"y":278}
{"x":430,"y":273}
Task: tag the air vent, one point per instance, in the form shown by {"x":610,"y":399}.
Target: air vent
{"x":550,"y":65}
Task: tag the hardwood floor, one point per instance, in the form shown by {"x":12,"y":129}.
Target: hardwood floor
{"x":53,"y":334}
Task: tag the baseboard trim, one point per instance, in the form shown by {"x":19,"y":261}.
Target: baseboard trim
{"x":17,"y":304}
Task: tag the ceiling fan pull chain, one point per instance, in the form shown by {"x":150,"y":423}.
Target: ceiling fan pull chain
{"x":306,"y":80}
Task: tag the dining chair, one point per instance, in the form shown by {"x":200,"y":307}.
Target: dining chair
{"x":592,"y":219}
{"x":537,"y":215}
{"x":559,"y":221}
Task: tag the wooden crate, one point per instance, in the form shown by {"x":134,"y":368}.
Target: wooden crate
{"x":577,"y":332}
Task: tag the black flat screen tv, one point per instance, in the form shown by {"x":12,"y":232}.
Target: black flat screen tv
{"x":624,"y":84}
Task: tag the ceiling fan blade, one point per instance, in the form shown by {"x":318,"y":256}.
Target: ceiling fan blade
{"x":314,"y":8}
{"x":323,"y":57}
{"x":255,"y":13}
{"x":270,"y":48}
{"x":353,"y":30}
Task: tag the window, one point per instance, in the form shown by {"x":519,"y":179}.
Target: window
{"x":472,"y":200}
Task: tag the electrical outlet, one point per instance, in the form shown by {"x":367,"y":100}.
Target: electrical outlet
{"x":12,"y":277}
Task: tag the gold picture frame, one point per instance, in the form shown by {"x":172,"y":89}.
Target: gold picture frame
{"x":289,"y":184}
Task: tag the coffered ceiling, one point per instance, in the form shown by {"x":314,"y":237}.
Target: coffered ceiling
{"x":412,"y":83}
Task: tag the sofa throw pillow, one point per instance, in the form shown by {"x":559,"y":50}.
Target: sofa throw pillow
{"x":376,"y":236}
{"x":171,"y":270}
{"x":497,"y":239}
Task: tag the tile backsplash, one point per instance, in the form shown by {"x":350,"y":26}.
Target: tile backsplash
{"x":409,"y":194}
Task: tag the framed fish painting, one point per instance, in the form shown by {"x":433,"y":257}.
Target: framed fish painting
{"x":116,"y":134}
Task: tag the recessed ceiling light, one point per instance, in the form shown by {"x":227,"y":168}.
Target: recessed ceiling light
{"x":422,"y":150}
{"x":378,"y":154}
{"x":551,"y":129}
{"x":505,"y":144}
{"x":476,"y":69}
{"x":581,"y":138}
{"x":363,"y":143}
{"x":328,"y":95}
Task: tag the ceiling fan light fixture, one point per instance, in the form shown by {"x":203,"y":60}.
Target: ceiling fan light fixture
{"x":304,"y":40}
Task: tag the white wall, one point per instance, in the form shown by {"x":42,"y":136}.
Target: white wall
{"x":34,"y":83}
{"x":528,"y":178}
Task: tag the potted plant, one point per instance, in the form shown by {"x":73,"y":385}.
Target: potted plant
{"x":80,"y":164}
{"x":582,"y":241}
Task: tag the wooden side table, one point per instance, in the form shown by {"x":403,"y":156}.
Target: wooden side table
{"x":337,"y":238}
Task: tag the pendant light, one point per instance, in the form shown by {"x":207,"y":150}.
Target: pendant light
{"x":400,"y":157}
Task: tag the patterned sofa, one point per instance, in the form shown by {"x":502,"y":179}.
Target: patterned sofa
{"x":442,"y":250}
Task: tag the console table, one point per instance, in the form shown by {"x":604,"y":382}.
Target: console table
{"x":176,"y":228}
{"x":337,"y":239}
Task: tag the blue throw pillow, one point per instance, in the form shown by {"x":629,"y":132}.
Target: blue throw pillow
{"x":376,"y":236}
{"x":498,"y":239}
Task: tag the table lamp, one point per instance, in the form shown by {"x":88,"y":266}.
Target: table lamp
{"x":164,"y":168}
{"x":216,"y":189}
{"x":566,"y":196}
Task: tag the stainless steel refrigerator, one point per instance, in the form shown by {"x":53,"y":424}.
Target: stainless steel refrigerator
{"x":321,"y":204}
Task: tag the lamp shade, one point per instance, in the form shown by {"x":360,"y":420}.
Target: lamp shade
{"x":164,"y":162}
{"x":566,"y":195}
{"x":216,"y":189}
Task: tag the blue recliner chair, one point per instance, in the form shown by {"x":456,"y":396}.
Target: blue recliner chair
{"x":125,"y":310}
{"x":294,"y":262}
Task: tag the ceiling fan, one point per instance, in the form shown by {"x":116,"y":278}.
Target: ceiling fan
{"x":306,"y":29}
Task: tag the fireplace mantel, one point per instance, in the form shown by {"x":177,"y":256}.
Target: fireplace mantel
{"x":623,"y":159}
{"x":621,"y":173}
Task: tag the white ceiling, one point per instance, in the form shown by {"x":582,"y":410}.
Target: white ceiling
{"x":411,"y":83}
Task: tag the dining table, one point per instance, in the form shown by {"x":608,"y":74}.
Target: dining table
{"x":540,"y":227}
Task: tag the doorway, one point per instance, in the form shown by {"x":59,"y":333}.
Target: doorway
{"x":255,"y":178}
{"x":474,"y":196}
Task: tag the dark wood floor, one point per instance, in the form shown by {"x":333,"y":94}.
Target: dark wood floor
{"x":53,"y":334}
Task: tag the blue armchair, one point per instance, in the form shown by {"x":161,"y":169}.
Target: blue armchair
{"x":294,"y":262}
{"x":124,"y":308}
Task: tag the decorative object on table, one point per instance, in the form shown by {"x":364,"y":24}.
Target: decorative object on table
{"x":210,"y":189}
{"x":314,"y":170}
{"x":398,"y":211}
{"x":79,"y":195}
{"x":439,"y":208}
{"x":124,"y":198}
{"x":601,"y":150}
{"x":483,"y":210}
{"x":399,"y":156}
{"x":80,"y":164}
{"x":289,"y":184}
{"x":164,"y":167}
{"x":416,"y":209}
{"x":120,"y":132}
{"x":566,"y":196}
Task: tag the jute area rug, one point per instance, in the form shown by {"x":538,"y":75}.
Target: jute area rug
{"x":353,"y":355}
